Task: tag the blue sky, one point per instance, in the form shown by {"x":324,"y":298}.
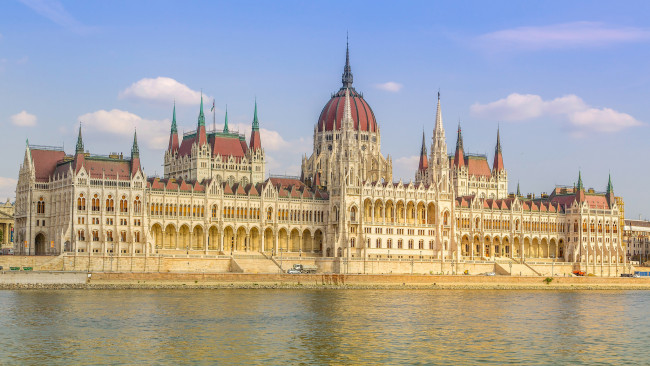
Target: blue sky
{"x":567,"y":82}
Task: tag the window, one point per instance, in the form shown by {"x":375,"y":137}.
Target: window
{"x":137,"y":205}
{"x":136,"y":237}
{"x":122,"y":236}
{"x":124,"y":205}
{"x":40,"y":206}
{"x":95,"y":235}
{"x":110,"y":204}
{"x":109,"y":235}
{"x":95,"y":203}
{"x":399,"y":244}
{"x":81,"y":203}
{"x":81,"y":235}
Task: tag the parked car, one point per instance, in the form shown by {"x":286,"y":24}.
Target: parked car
{"x":489,"y":274}
{"x":293,"y":271}
{"x":627,"y":275}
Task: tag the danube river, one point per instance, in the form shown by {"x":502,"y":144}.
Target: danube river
{"x":288,"y":327}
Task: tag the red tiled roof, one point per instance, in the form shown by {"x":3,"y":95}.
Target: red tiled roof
{"x":45,"y":162}
{"x":286,"y":182}
{"x":478,"y":166}
{"x":224,"y":145}
{"x":596,"y":201}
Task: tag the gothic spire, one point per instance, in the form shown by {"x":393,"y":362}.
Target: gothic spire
{"x":498,"y":157}
{"x":423,"y":150}
{"x":424,"y":163}
{"x":174,"y":128}
{"x":439,"y":130}
{"x":225,"y":125}
{"x":459,"y":156}
{"x":580,"y":186}
{"x":610,"y":187}
{"x":135,"y":151}
{"x":497,"y":149}
{"x":201,"y":115}
{"x":256,"y":142}
{"x":256,"y":123}
{"x":347,"y":71}
{"x":80,"y":144}
{"x":459,"y":139}
{"x":518,"y":191}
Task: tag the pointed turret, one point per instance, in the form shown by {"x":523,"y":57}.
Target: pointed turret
{"x":347,"y":122}
{"x":135,"y":155}
{"x":424,"y":162}
{"x":347,"y":70}
{"x":256,"y":142}
{"x":580,"y":194}
{"x":79,"y":157}
{"x":173,"y":135}
{"x":135,"y":150}
{"x":459,"y":157}
{"x":610,"y":192}
{"x":225,"y":124}
{"x":439,"y":131}
{"x":497,"y":166}
{"x":200,"y":130}
{"x":80,"y":144}
{"x":518,"y":191}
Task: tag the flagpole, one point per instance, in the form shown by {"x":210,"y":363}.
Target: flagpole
{"x":214,"y":118}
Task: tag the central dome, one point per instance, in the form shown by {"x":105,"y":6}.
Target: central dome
{"x":364,"y":118}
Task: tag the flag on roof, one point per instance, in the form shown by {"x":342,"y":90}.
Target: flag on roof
{"x":212,"y":109}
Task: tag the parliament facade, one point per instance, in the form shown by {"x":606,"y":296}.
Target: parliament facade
{"x":215,"y":199}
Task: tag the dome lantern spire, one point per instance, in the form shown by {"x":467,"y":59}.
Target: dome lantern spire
{"x":347,"y":71}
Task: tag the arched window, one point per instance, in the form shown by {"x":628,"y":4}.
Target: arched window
{"x":110,"y":204}
{"x":81,"y":203}
{"x":136,"y":237}
{"x":445,"y":218}
{"x":137,"y":205}
{"x":214,"y":211}
{"x":40,"y":206}
{"x":353,"y":214}
{"x":410,"y":243}
{"x":95,"y":203}
{"x":81,"y":235}
{"x":421,"y":244}
{"x":124,"y":205}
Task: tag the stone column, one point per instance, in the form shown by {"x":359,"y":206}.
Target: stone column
{"x":262,"y":246}
{"x":206,"y":237}
{"x":221,"y":242}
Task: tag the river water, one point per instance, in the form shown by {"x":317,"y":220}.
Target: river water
{"x":288,"y":327}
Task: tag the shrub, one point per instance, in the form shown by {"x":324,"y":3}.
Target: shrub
{"x":548,"y":280}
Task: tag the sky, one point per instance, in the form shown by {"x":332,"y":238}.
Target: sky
{"x":565,"y":82}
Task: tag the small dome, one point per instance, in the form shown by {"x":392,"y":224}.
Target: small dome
{"x":364,"y":118}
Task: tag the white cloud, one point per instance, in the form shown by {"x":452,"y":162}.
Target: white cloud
{"x":23,"y":119}
{"x":569,"y":108}
{"x":390,"y":86}
{"x":54,"y":11}
{"x":405,"y":168}
{"x":574,"y":34}
{"x":165,"y":90}
{"x":7,"y":188}
{"x":154,"y":133}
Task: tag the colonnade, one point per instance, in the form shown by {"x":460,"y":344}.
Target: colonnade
{"x":237,"y":239}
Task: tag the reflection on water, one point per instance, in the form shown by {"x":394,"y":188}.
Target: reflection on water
{"x":323,"y":327}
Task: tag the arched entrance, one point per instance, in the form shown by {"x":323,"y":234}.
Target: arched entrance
{"x":40,"y":244}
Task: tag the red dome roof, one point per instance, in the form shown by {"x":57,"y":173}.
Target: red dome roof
{"x":364,"y":118}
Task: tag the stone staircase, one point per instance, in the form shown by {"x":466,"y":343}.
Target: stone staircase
{"x":518,"y":269}
{"x":253,"y":263}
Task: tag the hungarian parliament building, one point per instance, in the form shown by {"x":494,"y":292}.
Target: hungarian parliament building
{"x":215,"y":199}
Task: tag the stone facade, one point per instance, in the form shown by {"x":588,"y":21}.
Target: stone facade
{"x":213,"y":199}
